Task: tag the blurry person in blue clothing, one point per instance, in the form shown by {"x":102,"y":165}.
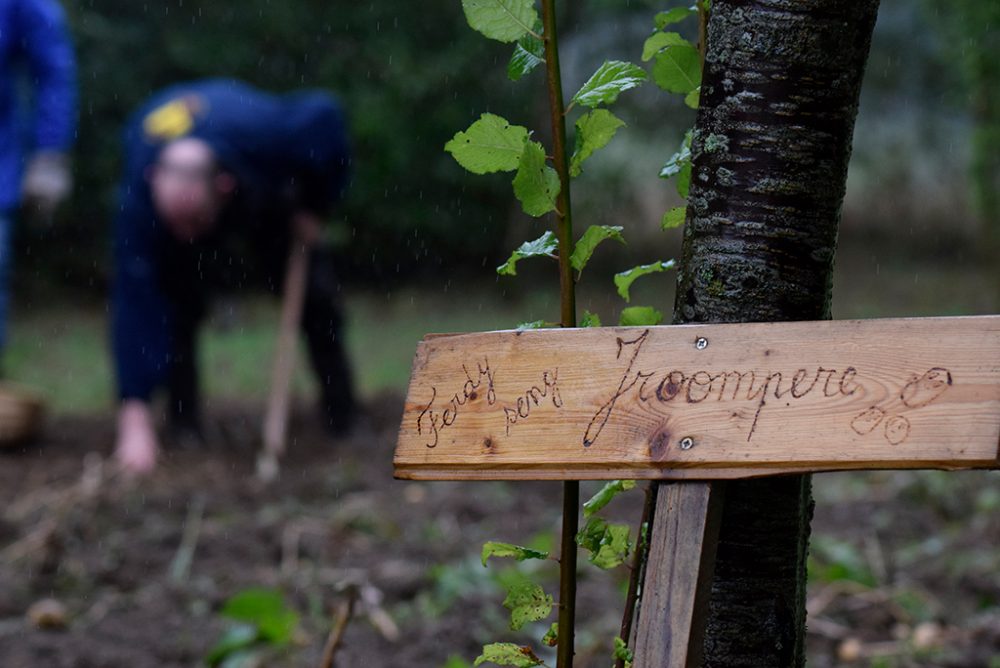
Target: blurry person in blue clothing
{"x":37,"y":119}
{"x":209,"y":163}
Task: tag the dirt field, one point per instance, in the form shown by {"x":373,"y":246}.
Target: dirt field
{"x":904,"y":570}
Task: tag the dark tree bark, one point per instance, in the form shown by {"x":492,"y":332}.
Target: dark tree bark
{"x":770,"y":151}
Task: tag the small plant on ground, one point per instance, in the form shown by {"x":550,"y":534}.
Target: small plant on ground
{"x":261,"y":621}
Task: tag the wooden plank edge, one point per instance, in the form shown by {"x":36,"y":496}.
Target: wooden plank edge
{"x":702,"y":473}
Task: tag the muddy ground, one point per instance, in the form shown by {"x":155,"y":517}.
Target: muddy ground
{"x":904,"y":571}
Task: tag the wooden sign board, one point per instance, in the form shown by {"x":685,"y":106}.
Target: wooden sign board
{"x":704,"y":401}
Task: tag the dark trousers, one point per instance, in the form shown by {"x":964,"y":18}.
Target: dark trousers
{"x":322,"y":324}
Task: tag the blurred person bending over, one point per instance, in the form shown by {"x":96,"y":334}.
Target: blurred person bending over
{"x":37,"y":119}
{"x":210,"y":165}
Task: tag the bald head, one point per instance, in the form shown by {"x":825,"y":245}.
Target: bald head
{"x":188,"y":189}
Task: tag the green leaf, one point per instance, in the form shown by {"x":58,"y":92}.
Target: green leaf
{"x":673,"y":218}
{"x":675,"y":15}
{"x":622,"y":651}
{"x":455,"y":661}
{"x":603,"y":497}
{"x":590,"y":320}
{"x":508,"y":654}
{"x":529,"y":53}
{"x":536,"y":324}
{"x":495,"y":549}
{"x":608,"y":544}
{"x":624,"y":279}
{"x":266,"y":609}
{"x":678,"y":69}
{"x":243,"y":658}
{"x":677,"y":161}
{"x":536,"y":185}
{"x":235,"y":638}
{"x":679,"y":165}
{"x":491,"y":144}
{"x":638,"y":316}
{"x":684,"y":180}
{"x":551,"y":637}
{"x":544,"y":245}
{"x":502,"y":20}
{"x":527,"y":602}
{"x":608,"y":82}
{"x":593,"y":132}
{"x":659,"y":41}
{"x":693,"y":99}
{"x":594,"y":235}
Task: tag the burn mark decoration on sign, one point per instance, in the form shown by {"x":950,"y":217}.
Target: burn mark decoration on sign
{"x":533,"y":396}
{"x":693,"y":387}
{"x":433,"y":418}
{"x":918,"y":392}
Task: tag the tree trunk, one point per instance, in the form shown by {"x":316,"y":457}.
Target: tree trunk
{"x":770,"y":150}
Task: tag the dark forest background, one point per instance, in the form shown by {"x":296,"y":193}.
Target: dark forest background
{"x":411,"y":74}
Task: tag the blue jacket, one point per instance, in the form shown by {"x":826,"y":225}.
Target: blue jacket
{"x":33,"y":41}
{"x":287,"y":152}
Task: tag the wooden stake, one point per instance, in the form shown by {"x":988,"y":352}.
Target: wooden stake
{"x":674,"y":605}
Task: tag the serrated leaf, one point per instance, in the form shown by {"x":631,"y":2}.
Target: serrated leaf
{"x":508,"y":654}
{"x":529,"y":53}
{"x":491,"y":144}
{"x":604,"y":496}
{"x":624,"y":279}
{"x":678,"y":69}
{"x":266,"y":609}
{"x":675,"y":15}
{"x":502,"y":20}
{"x":589,"y":537}
{"x":679,"y":165}
{"x":544,"y":245}
{"x":608,"y":544}
{"x":593,"y":132}
{"x":638,"y":316}
{"x":608,"y":82}
{"x":676,"y":162}
{"x":551,"y":637}
{"x":659,"y":41}
{"x":622,"y":651}
{"x":594,"y":235}
{"x":590,"y":320}
{"x":693,"y":99}
{"x":527,"y":602}
{"x":495,"y":549}
{"x":673,"y":218}
{"x":536,"y":185}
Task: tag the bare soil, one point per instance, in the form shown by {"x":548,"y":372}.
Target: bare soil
{"x":141,"y":570}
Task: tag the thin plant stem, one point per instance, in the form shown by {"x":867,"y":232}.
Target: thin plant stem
{"x":567,"y":303}
{"x":702,"y":31}
{"x":564,"y":221}
{"x":637,"y":571}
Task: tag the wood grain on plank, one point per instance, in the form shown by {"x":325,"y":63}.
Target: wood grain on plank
{"x":682,"y":545}
{"x":704,"y":401}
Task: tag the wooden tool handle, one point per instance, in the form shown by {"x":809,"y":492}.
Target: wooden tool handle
{"x":293,"y":299}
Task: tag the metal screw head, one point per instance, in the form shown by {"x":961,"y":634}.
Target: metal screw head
{"x":687,"y":443}
{"x":701,"y":343}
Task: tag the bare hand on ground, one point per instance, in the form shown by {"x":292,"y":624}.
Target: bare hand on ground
{"x":136,"y":448}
